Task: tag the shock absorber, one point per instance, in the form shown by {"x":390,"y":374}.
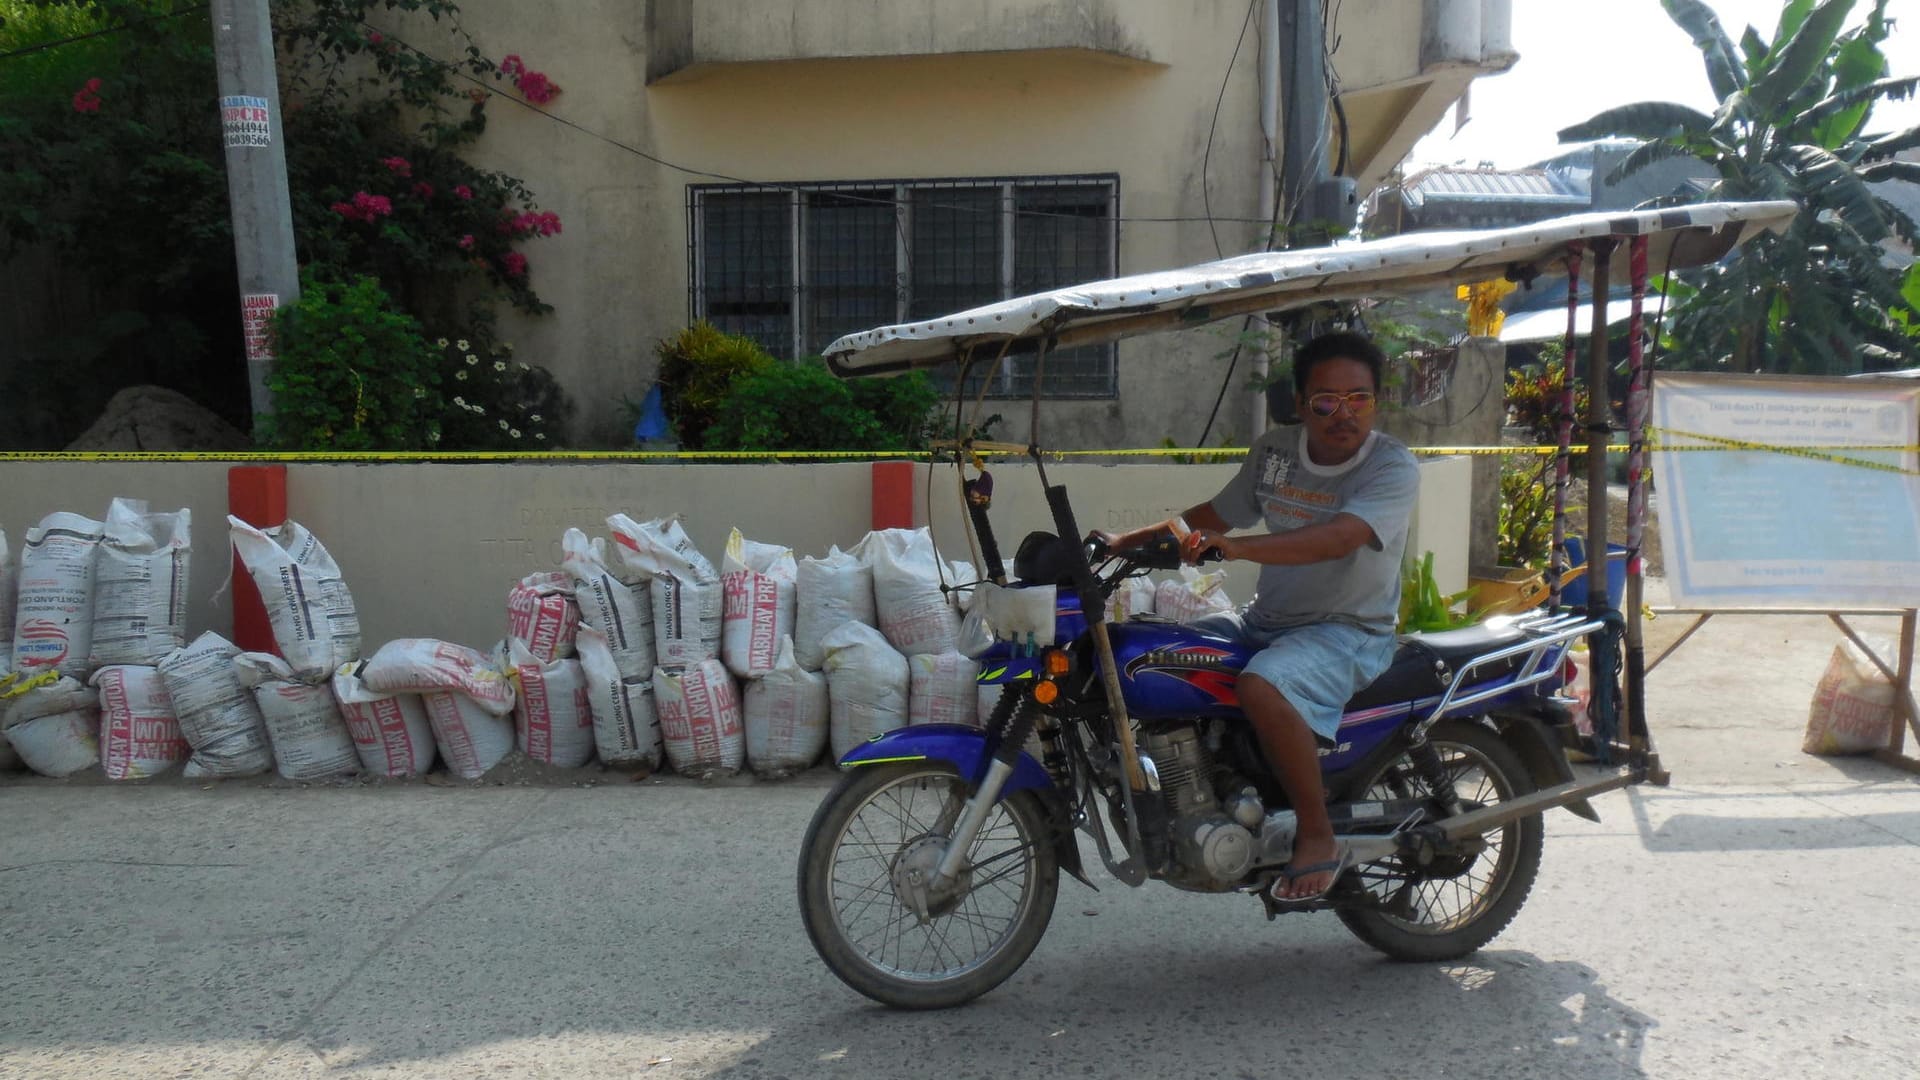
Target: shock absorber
{"x":1439,"y":781}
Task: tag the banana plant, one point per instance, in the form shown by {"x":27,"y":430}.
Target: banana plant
{"x":1792,"y":123}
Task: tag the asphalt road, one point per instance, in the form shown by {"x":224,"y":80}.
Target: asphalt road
{"x":1753,"y":919}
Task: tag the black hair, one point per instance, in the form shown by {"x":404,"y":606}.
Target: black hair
{"x":1337,"y":345}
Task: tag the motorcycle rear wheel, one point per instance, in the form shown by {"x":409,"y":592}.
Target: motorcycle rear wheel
{"x":1449,"y":910}
{"x":857,"y":919}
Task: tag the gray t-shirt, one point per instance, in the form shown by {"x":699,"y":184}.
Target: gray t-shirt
{"x":1280,"y":484}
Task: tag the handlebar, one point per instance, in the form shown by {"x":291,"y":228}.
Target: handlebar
{"x":1160,"y":553}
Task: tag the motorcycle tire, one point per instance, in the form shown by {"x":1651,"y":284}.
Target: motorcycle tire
{"x":1412,"y":925}
{"x":827,"y":909}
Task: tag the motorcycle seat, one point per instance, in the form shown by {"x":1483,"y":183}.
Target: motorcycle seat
{"x":1415,"y":670}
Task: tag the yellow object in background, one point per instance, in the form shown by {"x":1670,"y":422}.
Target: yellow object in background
{"x":1484,"y":317}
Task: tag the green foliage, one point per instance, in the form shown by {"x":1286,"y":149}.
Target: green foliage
{"x":801,"y":406}
{"x":1422,"y":607}
{"x":495,"y":402}
{"x":353,"y":373}
{"x":1791,"y":124}
{"x":1536,"y":394}
{"x":698,"y":369}
{"x":1526,"y":510}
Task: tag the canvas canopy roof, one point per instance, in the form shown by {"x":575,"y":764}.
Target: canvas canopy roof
{"x":1265,"y":282}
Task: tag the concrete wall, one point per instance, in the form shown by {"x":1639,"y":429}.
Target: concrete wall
{"x":1470,"y":414}
{"x":1076,"y":99}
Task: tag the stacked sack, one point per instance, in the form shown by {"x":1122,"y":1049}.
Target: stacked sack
{"x":921,"y":619}
{"x":553,"y":715}
{"x":617,"y":647}
{"x":784,"y":705}
{"x":700,"y":713}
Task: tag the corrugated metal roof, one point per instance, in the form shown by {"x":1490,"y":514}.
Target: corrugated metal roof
{"x":1493,"y":185}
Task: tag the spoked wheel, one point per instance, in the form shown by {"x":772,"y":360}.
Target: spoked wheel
{"x":875,"y":843}
{"x":1466,"y":896}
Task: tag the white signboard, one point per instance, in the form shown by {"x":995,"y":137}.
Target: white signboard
{"x":1806,"y":496}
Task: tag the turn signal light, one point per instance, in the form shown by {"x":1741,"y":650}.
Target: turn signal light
{"x":1046,"y":693}
{"x":1058,"y":662}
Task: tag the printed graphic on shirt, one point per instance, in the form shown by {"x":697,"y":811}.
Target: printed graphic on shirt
{"x":1287,"y":505}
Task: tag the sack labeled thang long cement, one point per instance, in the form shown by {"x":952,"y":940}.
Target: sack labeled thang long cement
{"x":140,"y":585}
{"x":55,"y":727}
{"x":687,"y":594}
{"x":786,"y":715}
{"x":424,"y":665}
{"x":139,"y":734}
{"x":1195,"y":594}
{"x":553,"y":721}
{"x":700,"y":720}
{"x":620,"y":605}
{"x":543,"y":616}
{"x":53,"y":617}
{"x":472,"y":739}
{"x":915,"y":615}
{"x":758,"y":583}
{"x":390,"y":731}
{"x":867,"y":683}
{"x":1853,"y":706}
{"x":942,"y":688}
{"x":309,"y":736}
{"x":9,"y":592}
{"x":315,"y":625}
{"x":830,"y":591}
{"x":626,"y":724}
{"x":217,"y":715}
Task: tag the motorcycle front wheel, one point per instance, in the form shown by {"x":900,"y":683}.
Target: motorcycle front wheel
{"x":1457,"y":904}
{"x":878,"y":828}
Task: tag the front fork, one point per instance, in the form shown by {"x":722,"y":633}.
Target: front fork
{"x":1012,"y":722}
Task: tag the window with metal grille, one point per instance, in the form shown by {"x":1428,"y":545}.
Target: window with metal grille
{"x":798,"y":265}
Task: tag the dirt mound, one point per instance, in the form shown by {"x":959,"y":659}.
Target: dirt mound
{"x":155,"y":418}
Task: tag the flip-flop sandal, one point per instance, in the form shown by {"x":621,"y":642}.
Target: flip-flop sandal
{"x":1289,"y":874}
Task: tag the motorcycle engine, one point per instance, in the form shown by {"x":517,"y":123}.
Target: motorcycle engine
{"x":1211,"y":851}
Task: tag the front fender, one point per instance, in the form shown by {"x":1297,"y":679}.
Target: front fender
{"x":963,"y":747}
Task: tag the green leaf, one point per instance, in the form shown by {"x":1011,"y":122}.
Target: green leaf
{"x":1755,"y":48}
{"x":1911,"y":288}
{"x":1644,"y":155}
{"x":1642,"y":120}
{"x":1724,"y":73}
{"x":1801,"y":57}
{"x":1892,"y":170}
{"x":1888,"y":145}
{"x":1841,"y":189}
{"x":1837,"y":118}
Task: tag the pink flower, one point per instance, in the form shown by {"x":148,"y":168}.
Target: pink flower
{"x":514,"y":263}
{"x":537,"y":87}
{"x":466,"y":242}
{"x":364,"y":207}
{"x":511,"y":65}
{"x":375,"y":38}
{"x":463,"y":191}
{"x":398,"y":165}
{"x":87,"y":98}
{"x":548,"y":223}
{"x":423,"y":189}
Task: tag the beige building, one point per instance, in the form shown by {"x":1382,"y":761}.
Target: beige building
{"x":797,"y":169}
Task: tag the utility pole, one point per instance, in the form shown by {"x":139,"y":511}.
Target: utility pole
{"x":256,"y":180}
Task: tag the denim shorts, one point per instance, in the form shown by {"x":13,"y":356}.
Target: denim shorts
{"x":1317,"y":668}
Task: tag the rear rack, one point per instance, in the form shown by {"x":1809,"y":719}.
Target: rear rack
{"x":1544,"y":631}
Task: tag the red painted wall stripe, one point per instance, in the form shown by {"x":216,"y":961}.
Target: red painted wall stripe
{"x":893,"y":494}
{"x":257,"y":495}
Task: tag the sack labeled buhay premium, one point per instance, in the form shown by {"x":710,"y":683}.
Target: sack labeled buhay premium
{"x":553,"y":717}
{"x":914,"y":614}
{"x":139,"y":734}
{"x":688,"y":598}
{"x":942,"y":688}
{"x":55,"y":727}
{"x":140,"y":585}
{"x":757,"y":581}
{"x":316,"y":627}
{"x":700,"y":720}
{"x":1853,"y":706}
{"x":9,"y":592}
{"x":53,"y":613}
{"x":217,"y":715}
{"x":304,"y":726}
{"x":472,"y":739}
{"x":830,"y":591}
{"x":390,"y":731}
{"x":786,"y":716}
{"x":867,"y":683}
{"x":618,"y":604}
{"x":626,"y":722}
{"x":1195,"y":594}
{"x":542,"y":615}
{"x":424,"y":665}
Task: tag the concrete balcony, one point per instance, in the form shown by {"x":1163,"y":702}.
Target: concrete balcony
{"x":687,"y":37}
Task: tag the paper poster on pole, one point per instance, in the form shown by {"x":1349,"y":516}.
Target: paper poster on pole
{"x":1798,"y":492}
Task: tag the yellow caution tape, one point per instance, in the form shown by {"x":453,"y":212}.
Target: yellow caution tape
{"x":45,"y":678}
{"x":1814,"y":453}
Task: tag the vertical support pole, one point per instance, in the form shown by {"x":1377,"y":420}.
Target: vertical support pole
{"x":257,"y":495}
{"x":256,"y":181}
{"x":1903,"y":686}
{"x":1266,"y":185}
{"x":1562,"y":462}
{"x":1599,"y":410}
{"x":1638,"y":374}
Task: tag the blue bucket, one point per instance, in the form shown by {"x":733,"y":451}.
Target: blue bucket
{"x":1574,"y":593}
